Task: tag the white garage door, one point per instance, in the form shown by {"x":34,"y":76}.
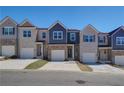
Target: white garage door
{"x":89,"y":58}
{"x":119,"y":60}
{"x":27,"y":53}
{"x":57,"y":55}
{"x":8,"y":50}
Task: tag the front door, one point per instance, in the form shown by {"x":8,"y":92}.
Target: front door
{"x":103,"y":55}
{"x":38,"y":49}
{"x":70,"y":52}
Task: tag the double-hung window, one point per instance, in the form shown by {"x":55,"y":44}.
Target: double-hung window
{"x":26,"y":33}
{"x":72,"y":36}
{"x":44,"y":35}
{"x":57,"y":35}
{"x":8,"y":31}
{"x":101,"y":39}
{"x":119,"y":40}
{"x":88,"y":38}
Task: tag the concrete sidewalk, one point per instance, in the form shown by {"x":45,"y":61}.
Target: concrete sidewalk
{"x":61,"y":66}
{"x":16,"y":63}
{"x":105,"y":68}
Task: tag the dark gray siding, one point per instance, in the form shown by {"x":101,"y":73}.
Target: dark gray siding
{"x":109,"y":41}
{"x":57,"y":27}
{"x":120,"y":33}
{"x":76,"y":40}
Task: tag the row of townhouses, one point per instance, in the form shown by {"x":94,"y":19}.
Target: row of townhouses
{"x":58,"y":42}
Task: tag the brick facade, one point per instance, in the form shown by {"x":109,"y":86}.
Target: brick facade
{"x":57,"y":47}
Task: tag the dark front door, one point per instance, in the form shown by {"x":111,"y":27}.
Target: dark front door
{"x":69,"y":52}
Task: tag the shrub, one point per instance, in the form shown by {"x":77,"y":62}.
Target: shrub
{"x":13,"y":57}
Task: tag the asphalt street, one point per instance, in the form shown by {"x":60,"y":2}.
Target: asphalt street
{"x":59,"y":78}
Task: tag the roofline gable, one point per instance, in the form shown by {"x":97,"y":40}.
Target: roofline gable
{"x":89,"y":25}
{"x":57,"y":22}
{"x":24,"y":21}
{"x":121,"y":27}
{"x":6,"y":18}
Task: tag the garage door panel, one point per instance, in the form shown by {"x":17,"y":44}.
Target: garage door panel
{"x":27,"y":53}
{"x":8,"y":50}
{"x":57,"y":55}
{"x":89,"y":57}
{"x":119,"y":60}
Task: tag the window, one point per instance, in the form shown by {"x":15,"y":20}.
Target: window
{"x":8,"y":31}
{"x":89,"y":38}
{"x":26,"y":33}
{"x":43,"y":35}
{"x":57,"y":35}
{"x":119,"y":40}
{"x":72,"y":36}
{"x":101,"y":39}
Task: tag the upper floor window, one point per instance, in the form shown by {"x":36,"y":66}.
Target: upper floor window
{"x":8,"y":31}
{"x":88,"y":38}
{"x":44,"y":35}
{"x":119,"y":40}
{"x":57,"y":35}
{"x":72,"y":36}
{"x":101,"y":39}
{"x":27,"y":33}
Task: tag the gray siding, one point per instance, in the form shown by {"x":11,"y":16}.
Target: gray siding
{"x":76,"y":40}
{"x":120,"y":33}
{"x":57,"y":27}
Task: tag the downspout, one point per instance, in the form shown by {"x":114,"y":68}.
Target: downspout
{"x":17,"y":44}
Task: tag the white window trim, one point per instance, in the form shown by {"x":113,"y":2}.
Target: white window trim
{"x":26,"y":33}
{"x":8,"y":30}
{"x":58,"y":35}
{"x":89,"y":38}
{"x":122,"y":38}
{"x":101,"y":38}
{"x":71,"y":35}
{"x":42,"y":35}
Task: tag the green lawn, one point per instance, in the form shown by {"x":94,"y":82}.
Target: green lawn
{"x":37,"y":64}
{"x":83,"y":67}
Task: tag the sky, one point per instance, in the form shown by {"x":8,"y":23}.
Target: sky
{"x":105,"y":19}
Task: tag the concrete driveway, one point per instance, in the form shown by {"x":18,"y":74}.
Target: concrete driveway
{"x":16,"y":63}
{"x":61,"y":66}
{"x":105,"y":68}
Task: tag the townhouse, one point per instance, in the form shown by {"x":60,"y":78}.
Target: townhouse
{"x":101,"y":47}
{"x":58,"y":43}
{"x":25,"y":40}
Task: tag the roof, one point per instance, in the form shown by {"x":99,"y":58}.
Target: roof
{"x":73,"y":30}
{"x":104,"y":46}
{"x":102,"y":33}
{"x":42,"y":28}
{"x":57,"y":22}
{"x":40,"y":40}
{"x":121,"y":27}
{"x":6,"y":18}
{"x":92,"y":27}
{"x":26,"y":23}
